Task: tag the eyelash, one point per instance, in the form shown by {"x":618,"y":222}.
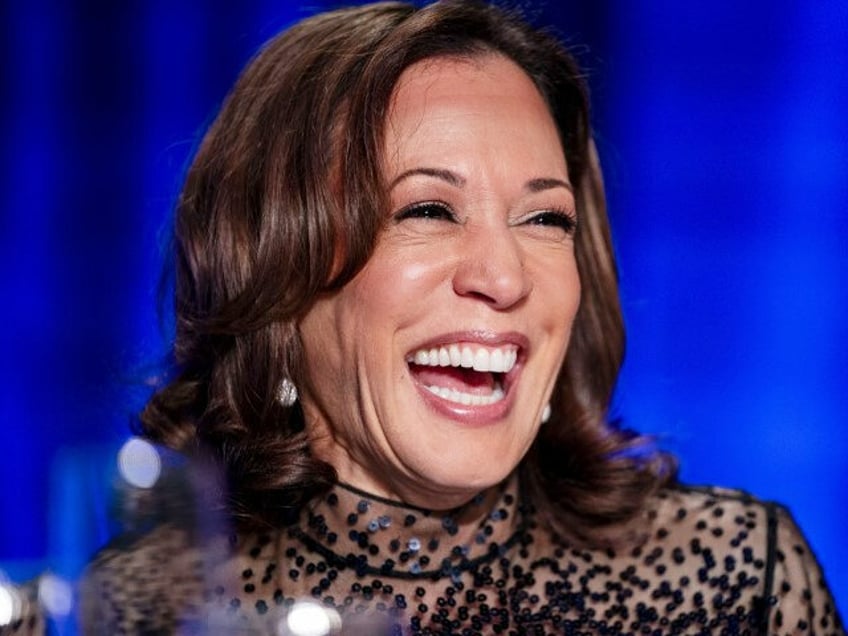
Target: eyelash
{"x":437,"y":210}
{"x":426,"y":210}
{"x":557,"y":218}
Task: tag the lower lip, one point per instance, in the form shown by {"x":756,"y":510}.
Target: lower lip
{"x":468,"y":415}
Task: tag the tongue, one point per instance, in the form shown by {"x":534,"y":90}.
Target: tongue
{"x":463,"y":380}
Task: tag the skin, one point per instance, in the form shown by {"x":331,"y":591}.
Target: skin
{"x":490,"y":263}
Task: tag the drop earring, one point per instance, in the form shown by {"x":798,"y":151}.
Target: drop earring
{"x":287,"y":392}
{"x":546,"y":413}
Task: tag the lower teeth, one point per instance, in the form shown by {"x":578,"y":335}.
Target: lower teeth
{"x":467,"y":399}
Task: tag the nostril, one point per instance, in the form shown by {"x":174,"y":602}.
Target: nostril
{"x":481,"y":296}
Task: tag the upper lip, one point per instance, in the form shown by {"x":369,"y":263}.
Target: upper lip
{"x":479,"y":337}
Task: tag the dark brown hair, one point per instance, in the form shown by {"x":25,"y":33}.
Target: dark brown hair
{"x":285,"y":201}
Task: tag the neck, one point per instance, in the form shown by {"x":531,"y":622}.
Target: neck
{"x":390,"y":537}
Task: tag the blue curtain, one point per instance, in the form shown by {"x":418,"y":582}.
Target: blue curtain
{"x":724,"y":139}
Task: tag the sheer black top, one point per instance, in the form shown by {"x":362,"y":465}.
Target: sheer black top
{"x":710,"y":561}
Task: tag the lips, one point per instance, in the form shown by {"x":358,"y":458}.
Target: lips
{"x":465,"y":378}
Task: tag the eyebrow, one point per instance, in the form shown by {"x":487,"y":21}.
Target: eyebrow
{"x":445,"y":175}
{"x":543,"y":183}
{"x":534,"y":185}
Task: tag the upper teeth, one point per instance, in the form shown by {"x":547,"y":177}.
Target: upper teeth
{"x":499,"y":360}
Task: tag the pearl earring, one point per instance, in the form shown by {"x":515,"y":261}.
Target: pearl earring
{"x":546,"y":413}
{"x":287,"y":392}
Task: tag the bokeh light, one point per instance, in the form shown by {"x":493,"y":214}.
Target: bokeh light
{"x":55,"y":595}
{"x":10,"y":604}
{"x":311,"y":619}
{"x":139,"y":463}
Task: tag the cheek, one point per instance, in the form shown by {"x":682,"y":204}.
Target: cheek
{"x":572,"y":304}
{"x":395,"y":287}
{"x":558,"y":289}
{"x":321,"y":349}
{"x":574,"y":294}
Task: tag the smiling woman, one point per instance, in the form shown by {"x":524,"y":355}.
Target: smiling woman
{"x":398,"y":333}
{"x":476,"y":263}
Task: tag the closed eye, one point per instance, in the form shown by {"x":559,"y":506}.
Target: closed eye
{"x":554,"y":218}
{"x":426,"y":210}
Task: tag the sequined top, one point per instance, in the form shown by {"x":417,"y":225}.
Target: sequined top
{"x":711,"y":562}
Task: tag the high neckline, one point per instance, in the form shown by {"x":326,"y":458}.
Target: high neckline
{"x":379,"y":536}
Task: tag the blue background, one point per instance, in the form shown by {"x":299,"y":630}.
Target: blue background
{"x":723,"y":132}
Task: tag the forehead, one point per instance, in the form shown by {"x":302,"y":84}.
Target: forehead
{"x":470,"y":106}
{"x":443,"y":80}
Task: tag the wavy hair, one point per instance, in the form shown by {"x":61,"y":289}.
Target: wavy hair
{"x":284,"y":201}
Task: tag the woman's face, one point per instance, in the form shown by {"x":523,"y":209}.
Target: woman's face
{"x":428,"y":373}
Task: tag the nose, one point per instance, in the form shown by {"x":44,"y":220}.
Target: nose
{"x":491,"y":267}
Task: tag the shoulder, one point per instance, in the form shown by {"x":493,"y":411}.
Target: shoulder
{"x":711,"y":511}
{"x":725,"y":531}
{"x":736,"y":540}
{"x":135,"y":573}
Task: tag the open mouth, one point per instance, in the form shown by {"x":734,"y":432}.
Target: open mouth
{"x":467,"y":375}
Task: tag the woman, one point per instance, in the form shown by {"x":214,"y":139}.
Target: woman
{"x":398,"y":333}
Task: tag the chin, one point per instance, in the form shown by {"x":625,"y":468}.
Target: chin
{"x":455,"y":482}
